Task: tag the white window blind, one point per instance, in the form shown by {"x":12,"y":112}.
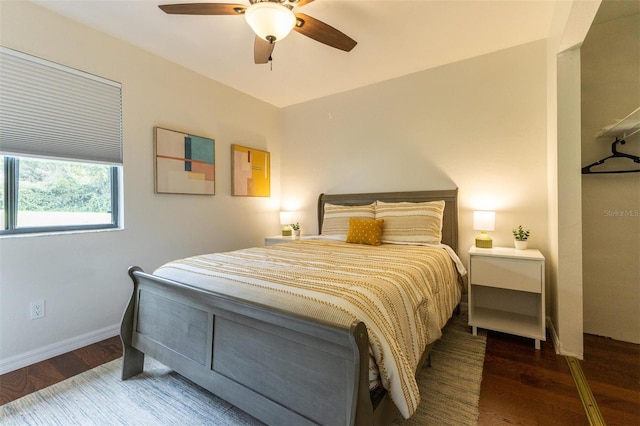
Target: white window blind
{"x":50,"y":110}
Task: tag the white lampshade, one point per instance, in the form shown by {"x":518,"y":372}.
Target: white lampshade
{"x":270,"y":21}
{"x":286,"y":218}
{"x":484,"y":220}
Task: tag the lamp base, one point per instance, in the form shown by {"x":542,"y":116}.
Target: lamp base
{"x":484,"y":241}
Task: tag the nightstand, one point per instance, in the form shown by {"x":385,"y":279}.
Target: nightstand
{"x":277,"y":239}
{"x":506,"y":291}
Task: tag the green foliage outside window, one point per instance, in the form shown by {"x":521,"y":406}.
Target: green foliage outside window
{"x":63,"y":186}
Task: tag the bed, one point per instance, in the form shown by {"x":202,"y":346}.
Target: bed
{"x":292,"y":360}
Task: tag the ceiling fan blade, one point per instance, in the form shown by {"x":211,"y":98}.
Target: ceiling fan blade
{"x":324,"y":33}
{"x":301,"y":3}
{"x":262,"y":50}
{"x":203,"y":9}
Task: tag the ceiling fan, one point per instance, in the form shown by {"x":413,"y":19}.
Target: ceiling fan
{"x":271,"y":20}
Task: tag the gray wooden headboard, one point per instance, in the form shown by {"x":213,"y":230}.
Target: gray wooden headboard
{"x":449,"y":220}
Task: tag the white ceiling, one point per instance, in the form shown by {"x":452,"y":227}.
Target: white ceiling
{"x":395,"y":38}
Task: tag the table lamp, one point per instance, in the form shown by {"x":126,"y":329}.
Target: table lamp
{"x":484,"y":221}
{"x":286,"y":218}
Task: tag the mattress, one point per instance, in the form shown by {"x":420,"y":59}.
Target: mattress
{"x":403,"y":293}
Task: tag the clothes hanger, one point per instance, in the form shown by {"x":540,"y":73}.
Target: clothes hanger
{"x":615,"y":154}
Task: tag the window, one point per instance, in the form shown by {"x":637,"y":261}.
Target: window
{"x":60,"y":147}
{"x":2,"y":203}
{"x":51,"y":195}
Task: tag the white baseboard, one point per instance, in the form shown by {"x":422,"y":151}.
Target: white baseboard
{"x":554,"y":335}
{"x":55,"y":349}
{"x":557,"y":344}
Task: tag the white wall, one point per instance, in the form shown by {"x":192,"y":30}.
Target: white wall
{"x":479,"y":125}
{"x":568,"y":290}
{"x":83,"y":277}
{"x":611,"y":202}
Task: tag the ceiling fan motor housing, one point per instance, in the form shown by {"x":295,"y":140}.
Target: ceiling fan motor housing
{"x":271,"y":21}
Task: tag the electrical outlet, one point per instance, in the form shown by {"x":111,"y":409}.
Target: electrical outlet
{"x":37,"y":309}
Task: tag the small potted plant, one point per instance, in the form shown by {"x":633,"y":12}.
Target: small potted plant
{"x":296,"y":229}
{"x":521,"y":236}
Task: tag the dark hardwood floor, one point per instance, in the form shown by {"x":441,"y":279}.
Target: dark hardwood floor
{"x":527,"y":387}
{"x":38,"y":376}
{"x":519,"y":385}
{"x":614,"y":379}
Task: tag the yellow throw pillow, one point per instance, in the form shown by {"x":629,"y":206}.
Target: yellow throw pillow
{"x":365,"y":231}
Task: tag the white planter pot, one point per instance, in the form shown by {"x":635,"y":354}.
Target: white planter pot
{"x":521,"y":245}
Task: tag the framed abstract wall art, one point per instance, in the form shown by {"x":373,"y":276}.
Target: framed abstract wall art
{"x":184,"y":163}
{"x":250,"y":172}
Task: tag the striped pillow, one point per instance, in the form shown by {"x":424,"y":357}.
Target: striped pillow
{"x":336,"y":218}
{"x":411,"y":223}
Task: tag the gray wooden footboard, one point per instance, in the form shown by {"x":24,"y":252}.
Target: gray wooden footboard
{"x":281,"y":368}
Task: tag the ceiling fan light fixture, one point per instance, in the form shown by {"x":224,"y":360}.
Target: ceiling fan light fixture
{"x":270,"y":21}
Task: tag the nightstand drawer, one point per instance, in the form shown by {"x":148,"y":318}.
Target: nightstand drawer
{"x":501,"y":272}
{"x":278,"y":239}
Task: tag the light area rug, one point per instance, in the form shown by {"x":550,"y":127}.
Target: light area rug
{"x":449,"y":390}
